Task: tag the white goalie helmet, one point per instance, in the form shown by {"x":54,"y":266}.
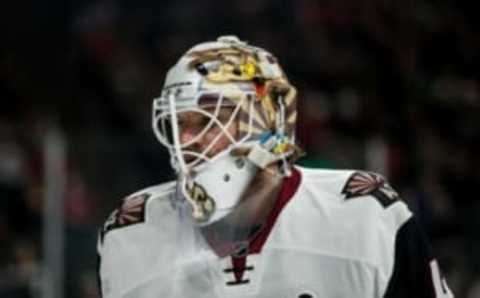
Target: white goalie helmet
{"x":259,"y":127}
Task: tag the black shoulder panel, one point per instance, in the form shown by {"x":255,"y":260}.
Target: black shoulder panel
{"x":411,"y":275}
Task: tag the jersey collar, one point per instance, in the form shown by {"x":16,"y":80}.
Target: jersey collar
{"x":289,"y":188}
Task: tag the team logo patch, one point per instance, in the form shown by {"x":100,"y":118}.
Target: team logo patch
{"x":130,"y":212}
{"x":368,"y":183}
{"x":203,"y":205}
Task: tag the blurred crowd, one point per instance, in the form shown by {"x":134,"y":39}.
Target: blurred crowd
{"x":388,"y":86}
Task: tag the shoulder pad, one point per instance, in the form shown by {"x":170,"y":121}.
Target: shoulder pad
{"x":362,"y":183}
{"x":132,"y":209}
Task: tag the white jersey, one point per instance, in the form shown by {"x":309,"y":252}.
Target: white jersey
{"x":335,"y":233}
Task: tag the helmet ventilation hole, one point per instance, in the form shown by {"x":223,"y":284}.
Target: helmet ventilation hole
{"x":226,"y":178}
{"x":240,"y":163}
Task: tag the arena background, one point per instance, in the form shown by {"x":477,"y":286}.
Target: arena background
{"x":388,"y":86}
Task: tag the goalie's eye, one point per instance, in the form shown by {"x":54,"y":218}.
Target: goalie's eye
{"x":224,"y":115}
{"x":193,"y":122}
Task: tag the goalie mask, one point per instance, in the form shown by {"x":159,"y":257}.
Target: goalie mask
{"x":226,"y":111}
